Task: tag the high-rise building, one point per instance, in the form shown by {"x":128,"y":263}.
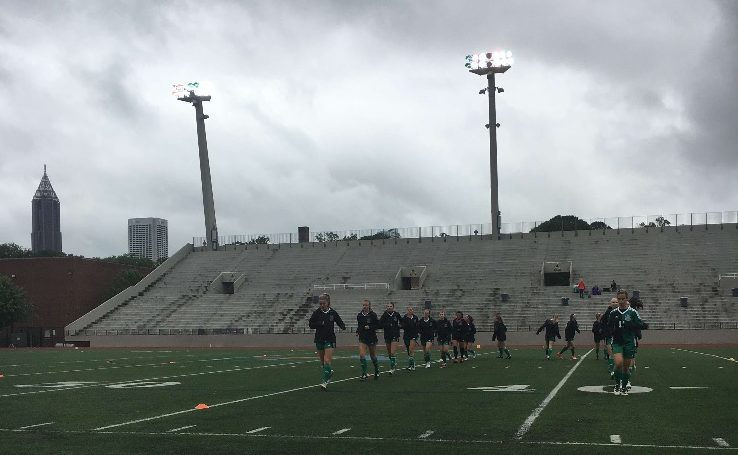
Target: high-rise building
{"x":148,"y":238}
{"x":45,"y":218}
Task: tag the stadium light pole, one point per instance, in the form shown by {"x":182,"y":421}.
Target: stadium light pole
{"x":489,"y":64}
{"x":187,"y":94}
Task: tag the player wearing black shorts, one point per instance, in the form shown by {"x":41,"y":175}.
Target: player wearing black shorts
{"x":571,"y":327}
{"x":598,"y":334}
{"x":427,"y":327}
{"x":607,"y":334}
{"x":410,"y":336}
{"x":471,"y":330}
{"x":458,"y":336}
{"x":367,"y":324}
{"x":323,"y":320}
{"x":500,"y":334}
{"x":391,"y":322}
{"x":551,"y":326}
{"x":443,"y":330}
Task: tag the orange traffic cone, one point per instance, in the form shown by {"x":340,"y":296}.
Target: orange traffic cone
{"x":202,"y":406}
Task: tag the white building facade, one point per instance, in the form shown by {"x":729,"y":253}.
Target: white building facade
{"x":148,"y":238}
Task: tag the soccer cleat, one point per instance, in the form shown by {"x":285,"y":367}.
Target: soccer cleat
{"x":499,"y":356}
{"x":376,"y":375}
{"x":324,"y":385}
{"x":427,"y":364}
{"x":443,"y":365}
{"x":412,"y":368}
{"x":508,"y":357}
{"x":624,"y":391}
{"x":573,"y":357}
{"x":617,"y":389}
{"x":363,"y":377}
{"x":627,"y":386}
{"x":612,"y":375}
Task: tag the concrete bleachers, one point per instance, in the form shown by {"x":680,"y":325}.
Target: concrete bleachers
{"x":466,"y":273}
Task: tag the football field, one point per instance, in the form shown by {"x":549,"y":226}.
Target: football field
{"x":88,"y":401}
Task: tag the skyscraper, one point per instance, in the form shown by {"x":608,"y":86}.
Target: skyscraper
{"x":45,"y":218}
{"x":148,"y":238}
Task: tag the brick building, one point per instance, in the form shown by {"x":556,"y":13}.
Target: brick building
{"x":60,"y":290}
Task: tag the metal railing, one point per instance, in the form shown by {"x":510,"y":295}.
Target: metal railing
{"x":672,"y":221}
{"x":351,"y":286}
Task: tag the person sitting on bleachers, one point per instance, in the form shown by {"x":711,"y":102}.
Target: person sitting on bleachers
{"x":613,"y":286}
{"x":596,"y":290}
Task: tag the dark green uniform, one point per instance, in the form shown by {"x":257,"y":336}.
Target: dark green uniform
{"x":624,"y":326}
{"x":410,"y":329}
{"x":499,"y":333}
{"x":391,"y":323}
{"x":427,"y":330}
{"x":443,"y":330}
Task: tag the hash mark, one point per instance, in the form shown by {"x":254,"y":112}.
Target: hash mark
{"x":342,"y":431}
{"x":426,"y":434}
{"x":256,"y":430}
{"x":721,"y":442}
{"x":615,"y":439}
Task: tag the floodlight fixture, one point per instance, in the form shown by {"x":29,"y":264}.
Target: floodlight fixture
{"x":500,"y":90}
{"x":483,"y":91}
{"x":489,"y":62}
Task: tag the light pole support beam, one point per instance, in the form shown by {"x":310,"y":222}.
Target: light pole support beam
{"x":495,"y":203}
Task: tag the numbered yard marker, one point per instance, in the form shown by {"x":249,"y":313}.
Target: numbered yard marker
{"x":504,"y":388}
{"x":142,"y":385}
{"x":609,"y":389}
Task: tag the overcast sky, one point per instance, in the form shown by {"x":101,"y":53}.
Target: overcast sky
{"x":355,"y":114}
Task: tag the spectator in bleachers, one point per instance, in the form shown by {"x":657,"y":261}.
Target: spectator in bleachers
{"x":552,"y":332}
{"x":613,"y":286}
{"x":581,"y":287}
{"x":500,"y":334}
{"x":557,"y":268}
{"x":596,"y":290}
{"x":323,"y":321}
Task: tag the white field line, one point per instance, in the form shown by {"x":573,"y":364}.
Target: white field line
{"x":615,"y":439}
{"x":257,"y":430}
{"x":708,"y":355}
{"x":34,"y":426}
{"x":536,"y":412}
{"x":426,"y":434}
{"x":687,"y":388}
{"x":375,"y":438}
{"x":341,"y":431}
{"x":721,"y":442}
{"x":174,"y":430}
{"x":226,"y":403}
{"x":601,"y":444}
{"x":184,"y":375}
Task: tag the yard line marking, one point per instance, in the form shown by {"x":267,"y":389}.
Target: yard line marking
{"x":426,"y":434}
{"x":341,"y":431}
{"x":34,"y":426}
{"x":731,"y":359}
{"x":536,"y":412}
{"x":174,"y":430}
{"x":184,"y":375}
{"x":615,"y":439}
{"x":602,"y":444}
{"x":256,"y":430}
{"x":240,"y":400}
{"x":721,"y":442}
{"x":687,"y":388}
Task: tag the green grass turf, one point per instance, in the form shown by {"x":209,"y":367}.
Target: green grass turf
{"x":248,"y":389}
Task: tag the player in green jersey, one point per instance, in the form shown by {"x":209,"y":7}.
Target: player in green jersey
{"x":391,"y":322}
{"x":624,"y":323}
{"x":410,"y":336}
{"x":597,"y":332}
{"x":551,"y":327}
{"x":571,"y":327}
{"x":367,"y":324}
{"x":323,"y":320}
{"x":470,"y":338}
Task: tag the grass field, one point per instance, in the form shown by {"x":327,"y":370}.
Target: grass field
{"x":87,"y":401}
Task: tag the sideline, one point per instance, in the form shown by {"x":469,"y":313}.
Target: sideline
{"x":534,"y":415}
{"x":708,"y":355}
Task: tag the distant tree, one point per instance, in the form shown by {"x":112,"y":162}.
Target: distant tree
{"x":643,"y":224}
{"x":351,"y":237}
{"x":12,"y":250}
{"x":13,"y":304}
{"x":562,"y":223}
{"x":326,"y":237}
{"x":381,"y":235}
{"x":260,"y":240}
{"x":662,"y":222}
{"x":599,"y":225}
{"x":129,"y":259}
{"x":122,"y":281}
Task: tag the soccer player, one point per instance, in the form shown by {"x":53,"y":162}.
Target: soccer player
{"x":597,"y":332}
{"x":443,"y":329}
{"x":571,"y":327}
{"x":410,"y":336}
{"x":427,"y":327}
{"x":323,"y":320}
{"x":607,"y":334}
{"x":552,"y":332}
{"x":624,"y":322}
{"x":470,"y":339}
{"x":499,"y":333}
{"x":366,"y":329}
{"x":458,"y":335}
{"x":391,"y":322}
